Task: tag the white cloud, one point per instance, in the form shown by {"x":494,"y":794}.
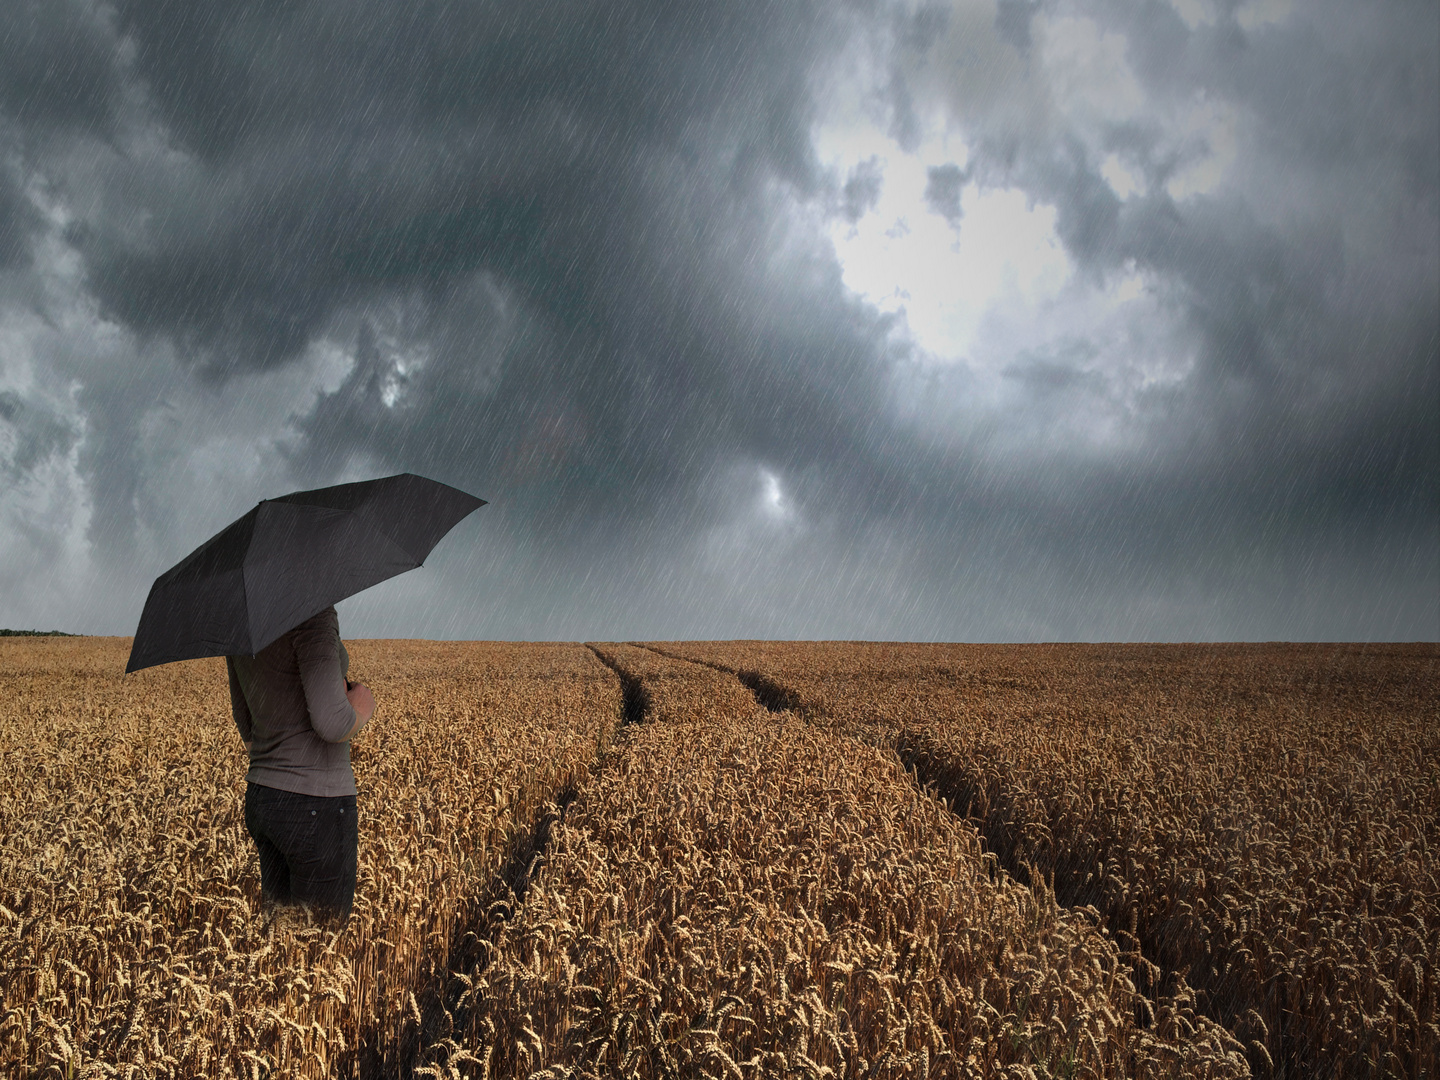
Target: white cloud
{"x":45,"y":504}
{"x":904,"y":256}
{"x":774,"y":503}
{"x":44,"y":552}
{"x":757,"y":523}
{"x":1042,"y":356}
{"x":1123,"y":180}
{"x":1206,"y":132}
{"x":1195,"y":13}
{"x":1087,"y":72}
{"x":1259,"y":13}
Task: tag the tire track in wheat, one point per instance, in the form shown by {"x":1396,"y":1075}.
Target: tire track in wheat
{"x":1263,"y":818}
{"x":735,"y":893}
{"x":131,"y":941}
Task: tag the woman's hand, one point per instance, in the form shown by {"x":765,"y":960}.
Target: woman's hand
{"x":363,"y":702}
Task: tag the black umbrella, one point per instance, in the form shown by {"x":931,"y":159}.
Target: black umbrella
{"x":288,"y":559}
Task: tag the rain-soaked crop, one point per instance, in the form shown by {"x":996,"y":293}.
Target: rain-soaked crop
{"x":734,"y":893}
{"x":1262,"y":822}
{"x":743,"y":880}
{"x":131,"y":937}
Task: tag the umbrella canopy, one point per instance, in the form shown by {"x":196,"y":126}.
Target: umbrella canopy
{"x":288,"y":559}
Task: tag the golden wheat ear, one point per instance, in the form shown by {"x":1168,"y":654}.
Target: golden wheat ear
{"x":742,"y":858}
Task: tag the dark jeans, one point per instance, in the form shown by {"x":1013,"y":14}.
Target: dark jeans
{"x":308,"y":847}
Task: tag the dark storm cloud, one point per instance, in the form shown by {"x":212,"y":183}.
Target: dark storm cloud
{"x":1012,"y":21}
{"x":862,"y":190}
{"x":343,"y":149}
{"x":16,"y":223}
{"x":1307,"y":435}
{"x":58,"y":64}
{"x":36,"y":435}
{"x":547,"y":237}
{"x":942,"y":190}
{"x":58,"y":73}
{"x":1319,"y":324}
{"x":599,"y":165}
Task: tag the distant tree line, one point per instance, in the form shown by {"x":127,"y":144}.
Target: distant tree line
{"x":36,"y":633}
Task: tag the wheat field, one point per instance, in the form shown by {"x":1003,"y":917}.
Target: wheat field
{"x":1260,"y":821}
{"x":131,"y":937}
{"x":741,"y":859}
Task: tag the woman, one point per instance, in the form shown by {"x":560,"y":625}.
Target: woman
{"x":297,"y":713}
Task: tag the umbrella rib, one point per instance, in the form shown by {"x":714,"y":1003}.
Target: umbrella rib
{"x":381,"y":534}
{"x":245,"y":599}
{"x":394,"y":544}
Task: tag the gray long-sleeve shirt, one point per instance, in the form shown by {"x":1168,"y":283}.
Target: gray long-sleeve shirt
{"x":290,"y":706}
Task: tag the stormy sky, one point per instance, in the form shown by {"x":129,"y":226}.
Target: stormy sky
{"x":979,"y":320}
